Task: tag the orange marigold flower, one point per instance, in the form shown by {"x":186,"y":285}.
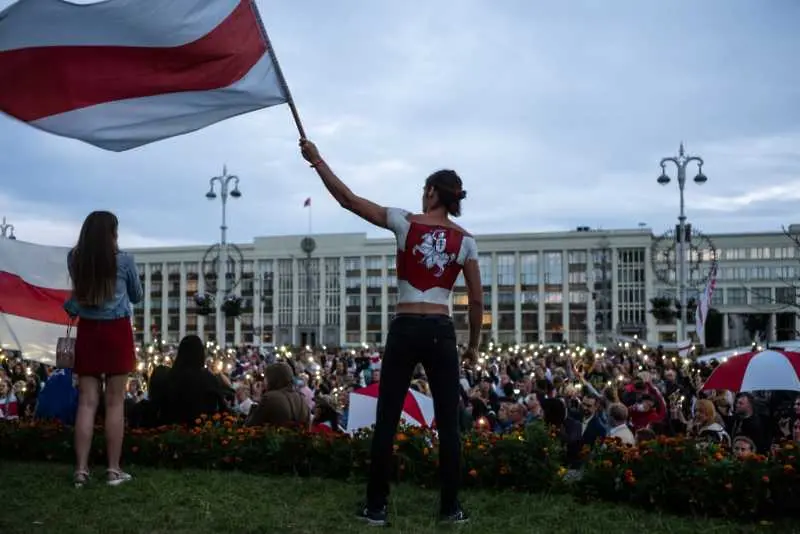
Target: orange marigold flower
{"x":198,"y":421}
{"x":788,"y":468}
{"x":217,"y":417}
{"x":426,"y":451}
{"x":401,"y":437}
{"x":473,"y":473}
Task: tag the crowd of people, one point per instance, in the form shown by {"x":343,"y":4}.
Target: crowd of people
{"x":630,"y":393}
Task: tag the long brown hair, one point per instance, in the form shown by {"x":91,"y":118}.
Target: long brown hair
{"x":93,"y":268}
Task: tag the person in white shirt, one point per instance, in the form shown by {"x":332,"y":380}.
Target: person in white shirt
{"x":243,"y":401}
{"x":618,"y":421}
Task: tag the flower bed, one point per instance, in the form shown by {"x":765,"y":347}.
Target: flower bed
{"x":677,"y":475}
{"x":526,"y":461}
{"x":668,"y":474}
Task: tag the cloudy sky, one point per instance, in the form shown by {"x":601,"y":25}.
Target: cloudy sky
{"x":556,"y":115}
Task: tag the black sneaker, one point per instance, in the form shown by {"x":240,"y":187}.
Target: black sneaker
{"x":459,"y":517}
{"x":374,"y":518}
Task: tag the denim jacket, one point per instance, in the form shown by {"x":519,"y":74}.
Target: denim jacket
{"x":128,"y":291}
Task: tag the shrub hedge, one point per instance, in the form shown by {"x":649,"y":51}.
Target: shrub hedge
{"x":671,"y":474}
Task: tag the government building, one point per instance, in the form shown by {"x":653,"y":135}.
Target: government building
{"x":576,"y":286}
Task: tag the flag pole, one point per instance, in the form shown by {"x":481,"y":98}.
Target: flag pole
{"x":309,"y":220}
{"x":279,"y":73}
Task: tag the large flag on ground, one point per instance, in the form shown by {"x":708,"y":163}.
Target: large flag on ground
{"x":34,"y":283}
{"x":704,"y":304}
{"x":120,"y":74}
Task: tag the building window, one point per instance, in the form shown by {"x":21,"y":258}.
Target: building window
{"x":529,"y":269}
{"x":553,"y":268}
{"x":485,"y":266}
{"x":506,"y":270}
{"x":737,"y":296}
{"x":761,"y":295}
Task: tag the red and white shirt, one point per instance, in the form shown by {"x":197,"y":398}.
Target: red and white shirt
{"x":429,"y":258}
{"x":9,"y":407}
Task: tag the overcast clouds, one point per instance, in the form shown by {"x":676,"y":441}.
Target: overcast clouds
{"x":555,"y":114}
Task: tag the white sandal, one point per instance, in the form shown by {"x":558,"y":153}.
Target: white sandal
{"x":80,"y":479}
{"x":117,"y":477}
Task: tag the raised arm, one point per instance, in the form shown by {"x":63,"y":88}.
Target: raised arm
{"x":366,"y":209}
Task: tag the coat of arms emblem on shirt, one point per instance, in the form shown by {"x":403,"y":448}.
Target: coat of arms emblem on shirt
{"x":433,"y":250}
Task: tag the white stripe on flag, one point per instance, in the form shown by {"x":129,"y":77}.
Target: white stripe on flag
{"x":151,"y":23}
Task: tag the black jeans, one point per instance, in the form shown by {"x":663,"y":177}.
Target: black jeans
{"x":431,"y":341}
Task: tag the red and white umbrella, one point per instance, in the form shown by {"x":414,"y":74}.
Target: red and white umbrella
{"x":767,"y":370}
{"x":417,"y":408}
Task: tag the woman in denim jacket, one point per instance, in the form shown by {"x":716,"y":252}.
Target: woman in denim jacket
{"x":104,"y":285}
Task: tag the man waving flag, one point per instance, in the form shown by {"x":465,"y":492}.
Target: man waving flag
{"x":120,"y":74}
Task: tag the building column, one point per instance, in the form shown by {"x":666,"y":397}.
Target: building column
{"x":517,"y":300}
{"x":342,"y":303}
{"x":164,"y":302}
{"x":201,"y":288}
{"x":237,"y":325}
{"x":591,"y":310}
{"x":565,"y":322}
{"x":295,"y":302}
{"x":182,"y":302}
{"x":385,"y":299}
{"x":540,"y":315}
{"x":649,"y":294}
{"x":148,"y":283}
{"x":323,"y":302}
{"x":494,"y":303}
{"x":258,"y":306}
{"x":614,"y":290}
{"x":362,"y":316}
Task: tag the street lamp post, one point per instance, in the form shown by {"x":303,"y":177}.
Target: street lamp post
{"x":681,"y":162}
{"x":7,"y":230}
{"x":224,"y":182}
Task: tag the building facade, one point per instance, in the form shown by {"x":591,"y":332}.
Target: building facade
{"x":550,"y":287}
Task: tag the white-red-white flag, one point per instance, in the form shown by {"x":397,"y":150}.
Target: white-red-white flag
{"x":34,"y":284}
{"x":123,"y":73}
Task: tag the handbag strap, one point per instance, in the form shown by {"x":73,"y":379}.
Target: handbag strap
{"x":70,"y":325}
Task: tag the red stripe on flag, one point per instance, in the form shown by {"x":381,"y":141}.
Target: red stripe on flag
{"x":43,"y":81}
{"x":18,"y":297}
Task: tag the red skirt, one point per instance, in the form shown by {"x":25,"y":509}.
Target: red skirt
{"x":104,"y":347}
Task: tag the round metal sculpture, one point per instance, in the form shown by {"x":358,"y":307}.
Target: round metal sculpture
{"x":664,"y":258}
{"x":308,"y":245}
{"x":210,"y":267}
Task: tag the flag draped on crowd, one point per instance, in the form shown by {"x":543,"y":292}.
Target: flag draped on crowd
{"x":34,"y":284}
{"x":126,"y":73}
{"x":704,"y":304}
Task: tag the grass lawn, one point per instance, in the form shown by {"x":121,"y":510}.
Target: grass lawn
{"x":38,"y":498}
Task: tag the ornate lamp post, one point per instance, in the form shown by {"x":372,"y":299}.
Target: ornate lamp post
{"x":224,"y":181}
{"x":681,"y":162}
{"x":7,"y":230}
